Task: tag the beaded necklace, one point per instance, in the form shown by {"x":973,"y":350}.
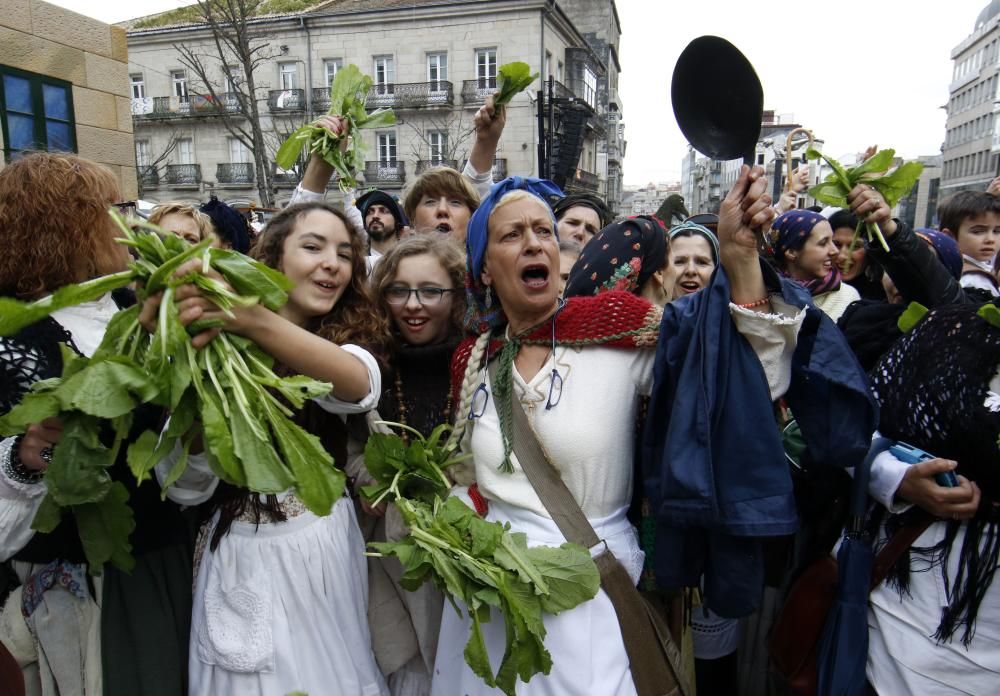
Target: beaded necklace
{"x":402,"y":405}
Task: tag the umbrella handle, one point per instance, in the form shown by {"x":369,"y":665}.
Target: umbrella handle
{"x":859,"y":491}
{"x":788,"y":153}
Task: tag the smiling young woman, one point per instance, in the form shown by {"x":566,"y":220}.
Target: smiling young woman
{"x":301,"y":579}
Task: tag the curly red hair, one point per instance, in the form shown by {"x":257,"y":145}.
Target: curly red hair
{"x":54,"y":224}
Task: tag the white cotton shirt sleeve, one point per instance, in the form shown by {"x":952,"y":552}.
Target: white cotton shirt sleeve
{"x":332,"y":404}
{"x":195,"y":486}
{"x":18,"y":504}
{"x":301,"y":195}
{"x":773,"y":337}
{"x":481,"y":182}
{"x":886,"y":475}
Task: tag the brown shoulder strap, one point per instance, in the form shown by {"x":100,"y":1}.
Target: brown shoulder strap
{"x":897,"y":546}
{"x":644,"y":643}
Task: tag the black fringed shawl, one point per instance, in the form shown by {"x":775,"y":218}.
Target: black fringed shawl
{"x":933,"y":389}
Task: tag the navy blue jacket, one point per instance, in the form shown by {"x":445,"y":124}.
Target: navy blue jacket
{"x":713,"y":463}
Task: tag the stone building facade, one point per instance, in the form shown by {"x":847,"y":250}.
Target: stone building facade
{"x":65,"y":87}
{"x":433,"y":63}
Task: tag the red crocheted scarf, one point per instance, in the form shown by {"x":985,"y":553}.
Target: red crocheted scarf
{"x":614,"y":319}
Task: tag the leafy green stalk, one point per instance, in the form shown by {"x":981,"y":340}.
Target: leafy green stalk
{"x":512,"y":79}
{"x":348,"y":93}
{"x":872,"y":172}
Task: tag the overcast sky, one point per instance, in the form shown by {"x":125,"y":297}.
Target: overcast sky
{"x":857,"y":72}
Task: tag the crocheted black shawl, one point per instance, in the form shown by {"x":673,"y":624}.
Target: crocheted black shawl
{"x":933,"y":389}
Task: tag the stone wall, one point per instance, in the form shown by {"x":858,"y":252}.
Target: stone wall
{"x":93,"y":57}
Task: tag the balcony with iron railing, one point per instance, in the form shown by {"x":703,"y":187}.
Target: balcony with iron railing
{"x":287,"y":100}
{"x":320,"y":99}
{"x":424,"y":165}
{"x":161,"y":108}
{"x":585,"y":180}
{"x":282,"y":178}
{"x":184,"y":174}
{"x":149,"y":177}
{"x":475,"y":91}
{"x":387,"y":172}
{"x":410,"y":95}
{"x":234,"y":173}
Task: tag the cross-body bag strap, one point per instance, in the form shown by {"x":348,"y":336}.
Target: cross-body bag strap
{"x":642,"y":641}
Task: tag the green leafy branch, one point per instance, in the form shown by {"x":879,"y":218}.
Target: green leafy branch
{"x":512,"y":79}
{"x":348,"y":93}
{"x":244,"y":409}
{"x":893,"y":186}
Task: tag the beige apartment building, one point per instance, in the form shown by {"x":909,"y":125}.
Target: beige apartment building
{"x":64,"y":86}
{"x":433,"y":62}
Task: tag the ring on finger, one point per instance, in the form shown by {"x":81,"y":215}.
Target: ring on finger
{"x":46,"y":455}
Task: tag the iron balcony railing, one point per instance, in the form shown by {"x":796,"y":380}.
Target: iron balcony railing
{"x":183,"y":174}
{"x":410,"y":95}
{"x":385,"y":172}
{"x":424,"y":165}
{"x":476,"y":91}
{"x":234,"y":173}
{"x":499,"y":170}
{"x":182,"y":107}
{"x":149,"y":177}
{"x":281,"y":177}
{"x":320,"y":99}
{"x":284,"y":100}
{"x":586,"y":180}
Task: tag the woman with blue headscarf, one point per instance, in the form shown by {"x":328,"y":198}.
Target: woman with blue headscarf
{"x":578,"y":369}
{"x":805,"y":252}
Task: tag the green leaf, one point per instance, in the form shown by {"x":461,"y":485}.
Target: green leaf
{"x":140,"y":456}
{"x":34,"y":408}
{"x":829,"y":192}
{"x":105,"y":527}
{"x":911,"y":316}
{"x":219,"y":442}
{"x":250,"y":277}
{"x":384,"y":455}
{"x":48,"y":516}
{"x":512,"y":554}
{"x":176,"y":471}
{"x":78,"y":471}
{"x":476,"y":655}
{"x":382,"y":118}
{"x":161,"y":277}
{"x":289,"y":151}
{"x":990,"y":313}
{"x":899,"y":183}
{"x":121,"y":327}
{"x":318,"y":483}
{"x":105,"y":389}
{"x":15,"y":315}
{"x":265,"y":472}
{"x":570,"y":573}
{"x":876,"y":164}
{"x":512,"y":79}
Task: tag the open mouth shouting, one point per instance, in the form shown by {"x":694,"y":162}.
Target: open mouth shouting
{"x":689,"y":287}
{"x":535,"y":276}
{"x":443,"y":227}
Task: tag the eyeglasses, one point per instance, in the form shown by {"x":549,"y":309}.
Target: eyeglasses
{"x":127,"y":208}
{"x":398,"y":295}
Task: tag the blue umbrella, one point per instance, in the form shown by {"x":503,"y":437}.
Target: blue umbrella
{"x":843,"y":647}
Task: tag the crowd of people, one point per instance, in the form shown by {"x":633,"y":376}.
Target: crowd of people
{"x":658,"y":363}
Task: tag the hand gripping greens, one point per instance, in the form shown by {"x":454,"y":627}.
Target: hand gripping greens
{"x":244,"y":408}
{"x":479,"y":565}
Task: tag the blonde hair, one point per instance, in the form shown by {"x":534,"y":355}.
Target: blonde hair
{"x":521,"y":195}
{"x":439,"y":181}
{"x":205,"y":229}
{"x":467,"y":389}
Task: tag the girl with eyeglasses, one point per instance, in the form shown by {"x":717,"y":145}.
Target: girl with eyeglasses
{"x":419,"y":284}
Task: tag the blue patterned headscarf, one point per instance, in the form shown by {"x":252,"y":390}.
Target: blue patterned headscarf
{"x":480,"y":317}
{"x":946,"y":249}
{"x":709,"y":236}
{"x":790,"y":230}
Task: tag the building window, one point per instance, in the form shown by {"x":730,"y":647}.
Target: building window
{"x":185,"y":151}
{"x":437,"y":69}
{"x":138,"y":86}
{"x":37,"y":113}
{"x":387,"y":149}
{"x":486,"y":68}
{"x":330,"y":68}
{"x":589,"y":86}
{"x":178,"y":79}
{"x":142,"y":158}
{"x":233,"y":79}
{"x":548,"y":64}
{"x":238,"y":152}
{"x":385,"y":74}
{"x":760,"y":158}
{"x":288,"y":76}
{"x":437,"y":142}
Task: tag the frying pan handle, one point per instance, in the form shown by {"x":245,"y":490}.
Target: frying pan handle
{"x":788,"y":152}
